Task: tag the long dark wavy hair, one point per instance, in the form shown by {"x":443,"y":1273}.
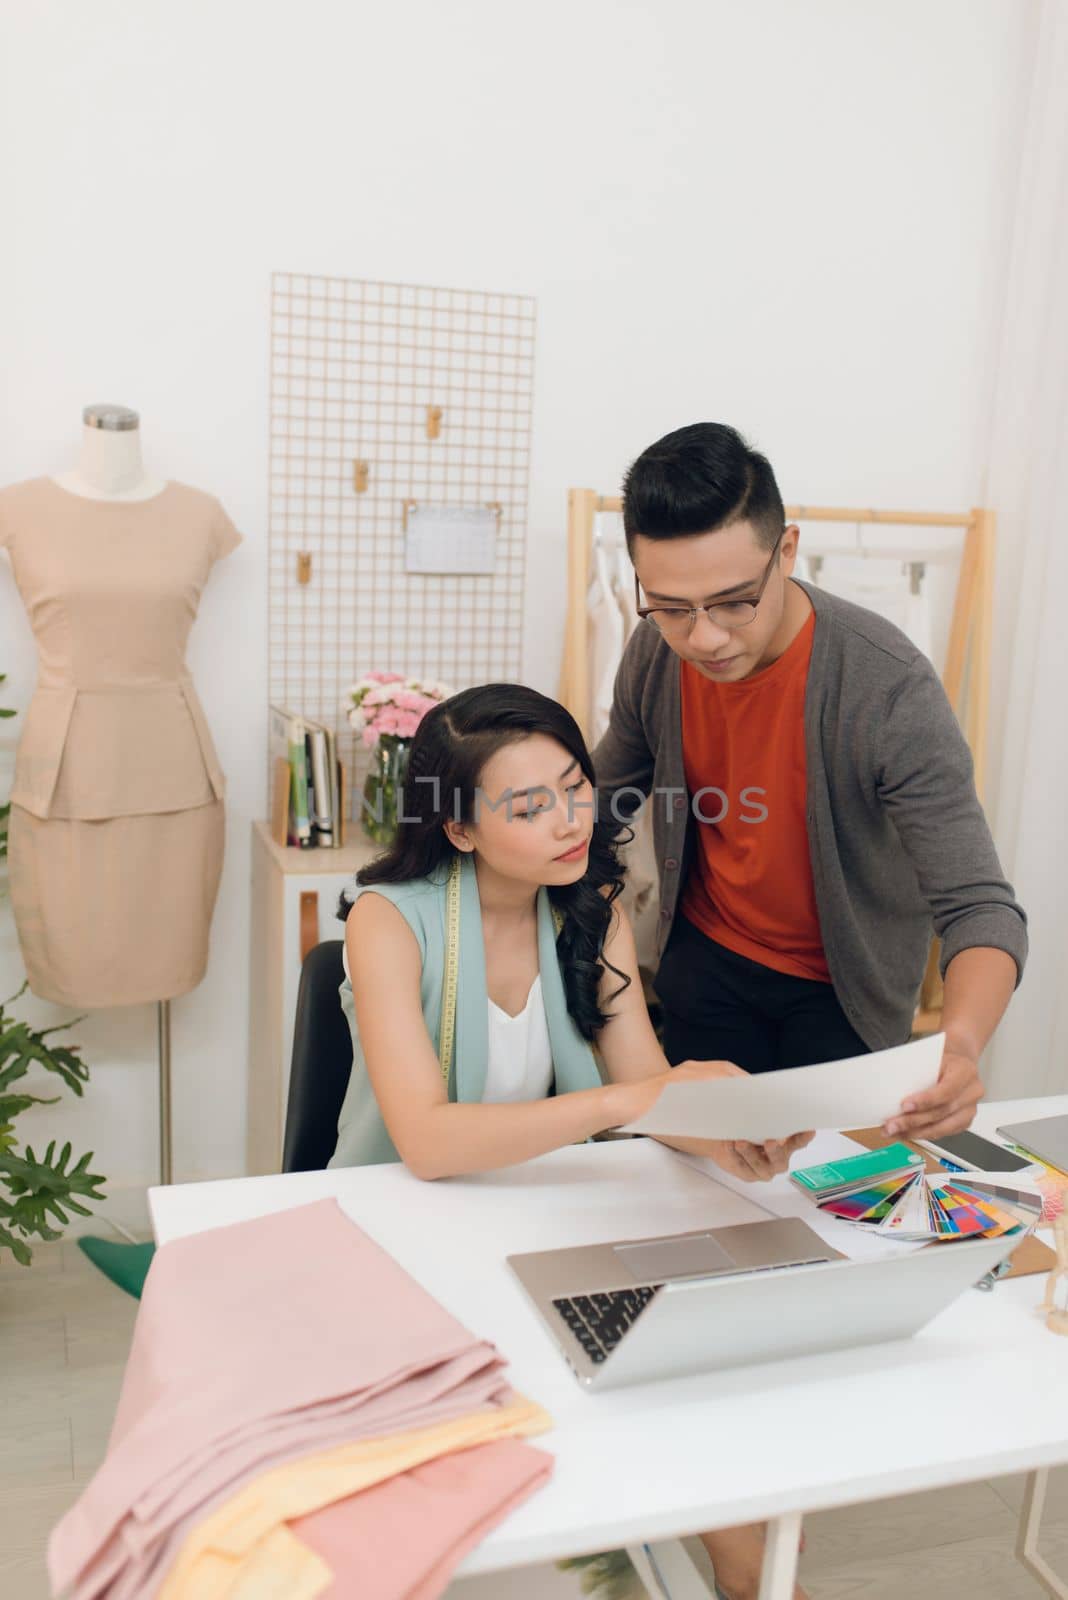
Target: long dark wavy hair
{"x":453,"y":743}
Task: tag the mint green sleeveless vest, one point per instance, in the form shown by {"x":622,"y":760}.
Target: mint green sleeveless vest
{"x":362,"y":1137}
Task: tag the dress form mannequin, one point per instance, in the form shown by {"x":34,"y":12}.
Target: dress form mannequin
{"x":117,"y":804}
{"x":110,"y":468}
{"x":109,"y":465}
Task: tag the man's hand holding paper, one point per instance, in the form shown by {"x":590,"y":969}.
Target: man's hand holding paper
{"x":864,"y":1091}
{"x":947,"y":1107}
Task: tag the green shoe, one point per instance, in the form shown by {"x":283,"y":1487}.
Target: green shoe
{"x":125,"y":1264}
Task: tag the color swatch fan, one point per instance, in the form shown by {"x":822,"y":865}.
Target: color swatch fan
{"x":887,"y":1191}
{"x":943,"y":1208}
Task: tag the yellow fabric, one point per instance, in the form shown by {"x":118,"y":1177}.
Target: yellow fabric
{"x":281,"y":1568}
{"x":221,"y":1558}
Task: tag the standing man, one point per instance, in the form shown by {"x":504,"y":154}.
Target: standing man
{"x":815,"y":815}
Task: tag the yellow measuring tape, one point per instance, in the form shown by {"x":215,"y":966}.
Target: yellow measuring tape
{"x":452,"y":962}
{"x":452,"y":956}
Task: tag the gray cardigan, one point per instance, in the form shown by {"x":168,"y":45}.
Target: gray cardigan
{"x":897,"y":838}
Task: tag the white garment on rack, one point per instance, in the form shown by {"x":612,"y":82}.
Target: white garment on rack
{"x":605,"y":636}
{"x":611,"y":619}
{"x":624,"y":585}
{"x":520,"y":1055}
{"x":883,"y":586}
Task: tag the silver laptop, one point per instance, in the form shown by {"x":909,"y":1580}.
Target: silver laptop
{"x":641,"y":1309}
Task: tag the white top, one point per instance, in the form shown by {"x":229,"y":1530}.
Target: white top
{"x":520,"y":1063}
{"x":975,"y":1393}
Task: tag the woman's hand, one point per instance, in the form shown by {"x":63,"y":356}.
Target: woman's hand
{"x":707,"y":1069}
{"x":629,"y":1101}
{"x":754,"y":1163}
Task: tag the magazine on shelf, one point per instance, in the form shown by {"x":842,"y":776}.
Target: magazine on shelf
{"x":288,"y":742}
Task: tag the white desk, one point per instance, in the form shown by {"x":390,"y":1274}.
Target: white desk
{"x":981,"y":1391}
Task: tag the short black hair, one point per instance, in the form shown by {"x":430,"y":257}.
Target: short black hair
{"x":697,"y":479}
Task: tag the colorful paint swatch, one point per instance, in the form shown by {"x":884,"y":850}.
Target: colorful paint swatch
{"x":855,"y":1206}
{"x":938,"y":1207}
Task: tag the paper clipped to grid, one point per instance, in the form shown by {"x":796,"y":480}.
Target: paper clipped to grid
{"x":861,"y":1092}
{"x":451,"y":539}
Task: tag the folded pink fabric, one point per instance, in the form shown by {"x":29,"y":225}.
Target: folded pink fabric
{"x":134,"y":1563}
{"x":475,"y":1377}
{"x":404,"y":1539}
{"x":248,"y":1338}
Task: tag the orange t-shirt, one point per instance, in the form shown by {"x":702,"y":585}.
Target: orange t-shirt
{"x":750,"y":885}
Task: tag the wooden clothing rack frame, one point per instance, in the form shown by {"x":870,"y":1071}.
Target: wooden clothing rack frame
{"x":965,"y":677}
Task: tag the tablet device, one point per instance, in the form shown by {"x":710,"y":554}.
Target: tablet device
{"x":1046,"y":1138}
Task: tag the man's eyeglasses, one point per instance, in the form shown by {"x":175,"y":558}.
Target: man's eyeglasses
{"x":680,"y":621}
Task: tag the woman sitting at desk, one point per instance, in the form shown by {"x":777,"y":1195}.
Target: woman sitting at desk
{"x":487,"y":1059}
{"x":499,"y":856}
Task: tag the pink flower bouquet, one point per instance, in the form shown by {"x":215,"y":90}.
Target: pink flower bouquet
{"x":390,"y":703}
{"x":386,"y":710}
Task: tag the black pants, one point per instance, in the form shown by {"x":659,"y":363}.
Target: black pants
{"x":720,"y":1006}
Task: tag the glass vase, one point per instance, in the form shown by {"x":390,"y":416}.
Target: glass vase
{"x":382,"y":788}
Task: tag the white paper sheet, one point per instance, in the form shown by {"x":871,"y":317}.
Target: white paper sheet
{"x":861,"y":1092}
{"x":451,"y":539}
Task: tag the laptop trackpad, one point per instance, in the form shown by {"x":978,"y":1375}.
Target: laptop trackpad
{"x":690,"y":1256}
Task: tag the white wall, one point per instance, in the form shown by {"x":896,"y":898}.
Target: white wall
{"x":788,"y":216}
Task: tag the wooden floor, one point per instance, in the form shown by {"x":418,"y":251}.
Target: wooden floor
{"x":64,"y":1333}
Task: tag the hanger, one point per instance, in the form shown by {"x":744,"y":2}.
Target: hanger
{"x":914,"y":561}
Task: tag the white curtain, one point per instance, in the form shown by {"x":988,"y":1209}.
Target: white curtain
{"x":1028,"y":489}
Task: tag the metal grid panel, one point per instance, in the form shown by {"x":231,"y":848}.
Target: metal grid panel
{"x":355,"y":366}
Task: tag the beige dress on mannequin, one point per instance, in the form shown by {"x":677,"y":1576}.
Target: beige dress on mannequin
{"x":116,"y":830}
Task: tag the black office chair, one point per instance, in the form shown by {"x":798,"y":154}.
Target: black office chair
{"x":322,"y":1062}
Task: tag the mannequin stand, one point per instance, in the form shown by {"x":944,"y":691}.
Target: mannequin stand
{"x":127,"y":1264}
{"x":164,"y":1036}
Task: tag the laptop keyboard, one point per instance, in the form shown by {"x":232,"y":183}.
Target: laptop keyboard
{"x":599,"y":1321}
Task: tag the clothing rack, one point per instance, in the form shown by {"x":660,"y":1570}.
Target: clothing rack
{"x":965,"y":675}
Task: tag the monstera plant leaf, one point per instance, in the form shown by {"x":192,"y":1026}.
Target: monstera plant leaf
{"x":47,"y":1187}
{"x":23,"y":1047}
{"x":38,"y":1195}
